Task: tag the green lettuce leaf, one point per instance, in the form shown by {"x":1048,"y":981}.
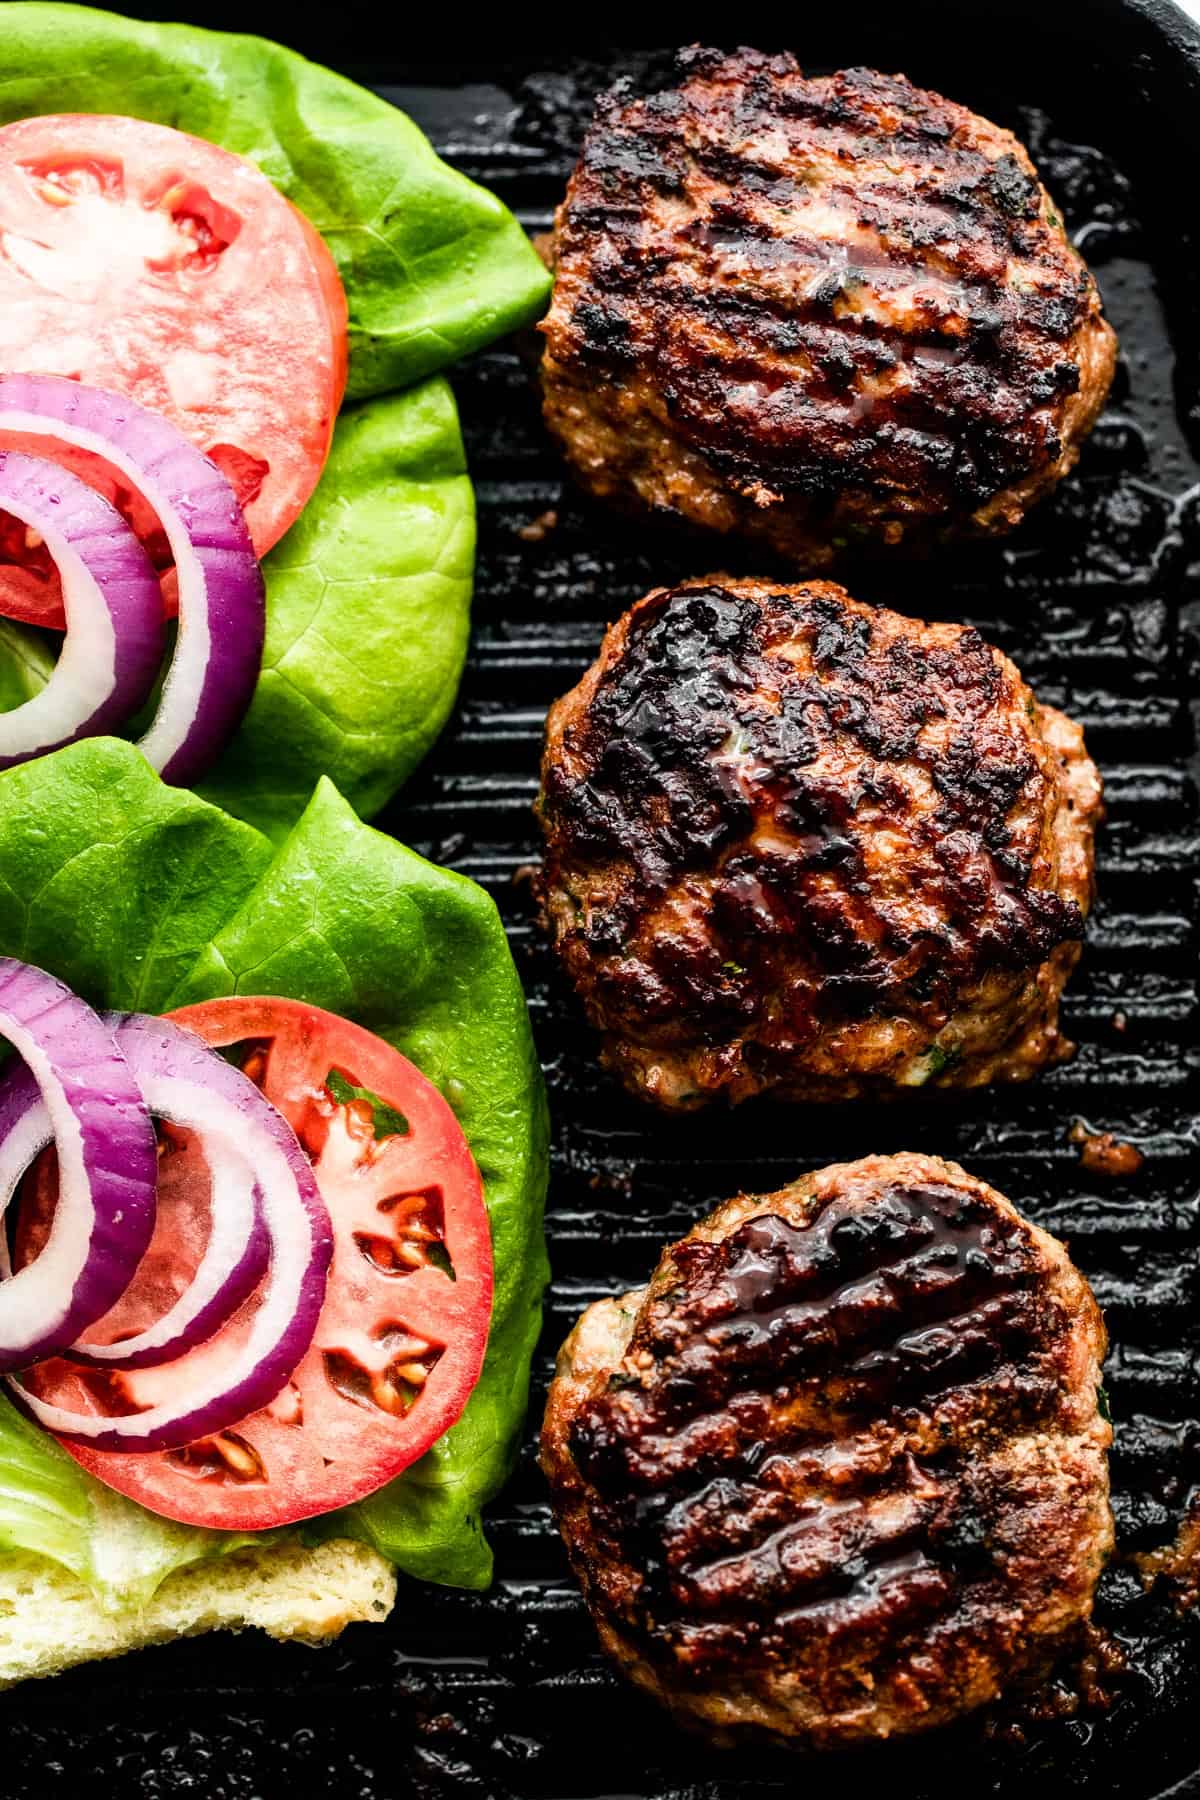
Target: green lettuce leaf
{"x":368,"y":615}
{"x":145,"y":896}
{"x":434,"y":266}
{"x":112,"y":880}
{"x":50,"y":1507}
{"x":25,"y":664}
{"x":349,"y":920}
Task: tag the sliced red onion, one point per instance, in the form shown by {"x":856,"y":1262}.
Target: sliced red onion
{"x":114,"y":640}
{"x":234,"y":1261}
{"x":186,"y":1082}
{"x":222,"y":615}
{"x":238,"y":1250}
{"x":107,"y":1163}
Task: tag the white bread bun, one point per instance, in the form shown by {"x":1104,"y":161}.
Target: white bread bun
{"x":50,"y":1621}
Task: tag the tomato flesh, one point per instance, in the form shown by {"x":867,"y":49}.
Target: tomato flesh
{"x":141,"y":260}
{"x":402,"y":1333}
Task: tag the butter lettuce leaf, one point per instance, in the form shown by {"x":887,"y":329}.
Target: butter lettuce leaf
{"x":26,"y":664}
{"x":49,"y":1507}
{"x":112,"y":880}
{"x":141,"y":895}
{"x":368,"y":616}
{"x":349,"y":920}
{"x":433,"y":265}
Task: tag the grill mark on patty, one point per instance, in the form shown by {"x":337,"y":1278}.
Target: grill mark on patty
{"x":826,"y":1323}
{"x":675,"y":195}
{"x":802,"y":1561}
{"x":706,"y":750}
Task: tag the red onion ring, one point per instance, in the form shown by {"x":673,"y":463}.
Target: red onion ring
{"x":234,"y":1261}
{"x":114,"y":639}
{"x":222,"y":617}
{"x":193,"y":1086}
{"x":107,"y":1162}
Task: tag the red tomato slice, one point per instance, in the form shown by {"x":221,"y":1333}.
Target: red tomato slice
{"x":139,"y":259}
{"x":402,"y":1334}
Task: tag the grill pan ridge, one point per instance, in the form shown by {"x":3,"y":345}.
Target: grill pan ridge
{"x":1097,"y":598}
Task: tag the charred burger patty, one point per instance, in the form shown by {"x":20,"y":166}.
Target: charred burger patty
{"x":802,"y":845}
{"x":816,"y":310}
{"x":839,"y":1471}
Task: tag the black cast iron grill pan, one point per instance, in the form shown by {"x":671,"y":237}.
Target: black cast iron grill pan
{"x":1098,"y":600}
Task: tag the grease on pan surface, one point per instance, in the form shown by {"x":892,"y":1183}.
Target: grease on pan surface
{"x":506,"y":1696}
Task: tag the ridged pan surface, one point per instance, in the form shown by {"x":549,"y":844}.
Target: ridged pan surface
{"x":505,"y":1694}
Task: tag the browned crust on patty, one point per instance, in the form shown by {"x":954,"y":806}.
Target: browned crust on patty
{"x":797,"y":844}
{"x":815,"y":310}
{"x":839,"y":1471}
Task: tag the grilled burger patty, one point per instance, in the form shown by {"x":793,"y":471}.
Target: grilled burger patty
{"x":816,"y":310}
{"x":802,"y":845}
{"x":839,"y":1471}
